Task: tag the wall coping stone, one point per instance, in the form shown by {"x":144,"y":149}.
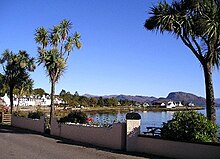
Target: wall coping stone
{"x":134,"y":116}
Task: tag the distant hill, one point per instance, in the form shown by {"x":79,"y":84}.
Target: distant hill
{"x":217,"y":101}
{"x":159,"y":101}
{"x":90,"y":96}
{"x":175,"y":96}
{"x":140,"y":99}
{"x":187,"y":97}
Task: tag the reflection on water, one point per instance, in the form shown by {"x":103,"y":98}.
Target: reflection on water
{"x":148,"y":118}
{"x":154,"y":119}
{"x":107,"y":118}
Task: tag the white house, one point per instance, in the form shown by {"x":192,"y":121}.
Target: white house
{"x":24,"y":101}
{"x":145,"y":104}
{"x":137,"y":104}
{"x":170,"y":104}
{"x":45,"y":100}
{"x":179,"y":104}
{"x":162,"y":104}
{"x":6,"y":99}
{"x":191,"y":104}
{"x":31,"y":100}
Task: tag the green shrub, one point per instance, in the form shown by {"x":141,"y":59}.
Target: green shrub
{"x":191,"y":127}
{"x":21,"y":114}
{"x":35,"y":115}
{"x":74,"y":117}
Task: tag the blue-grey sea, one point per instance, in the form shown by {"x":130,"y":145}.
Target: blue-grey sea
{"x":148,"y":118}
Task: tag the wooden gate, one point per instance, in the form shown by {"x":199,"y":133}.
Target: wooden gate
{"x":6,"y":118}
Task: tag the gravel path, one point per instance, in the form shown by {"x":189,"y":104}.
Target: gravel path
{"x":22,"y":144}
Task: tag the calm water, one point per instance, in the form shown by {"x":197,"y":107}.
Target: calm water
{"x":148,"y":118}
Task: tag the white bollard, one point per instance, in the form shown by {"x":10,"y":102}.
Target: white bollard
{"x":133,"y":121}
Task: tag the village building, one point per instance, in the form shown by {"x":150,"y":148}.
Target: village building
{"x":31,"y":100}
{"x":162,"y":104}
{"x":6,"y":100}
{"x":138,"y":105}
{"x":179,"y":104}
{"x":146,"y":104}
{"x":170,"y":104}
{"x":191,"y":104}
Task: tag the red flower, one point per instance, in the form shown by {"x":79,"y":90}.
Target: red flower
{"x":89,"y":119}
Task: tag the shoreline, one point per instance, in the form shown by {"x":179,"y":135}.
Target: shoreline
{"x":116,"y":109}
{"x":132,"y":109}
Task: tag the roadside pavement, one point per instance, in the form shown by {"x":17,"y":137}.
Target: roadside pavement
{"x":18,"y":143}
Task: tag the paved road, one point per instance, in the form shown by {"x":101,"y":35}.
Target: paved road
{"x":21,"y":144}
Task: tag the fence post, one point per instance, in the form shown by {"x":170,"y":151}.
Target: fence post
{"x":1,"y":116}
{"x":133,"y":121}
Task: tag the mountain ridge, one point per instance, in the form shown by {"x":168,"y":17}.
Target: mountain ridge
{"x":137,"y":98}
{"x":187,"y":98}
{"x":175,"y":96}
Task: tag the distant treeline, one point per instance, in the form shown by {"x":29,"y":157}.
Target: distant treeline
{"x":75,"y":100}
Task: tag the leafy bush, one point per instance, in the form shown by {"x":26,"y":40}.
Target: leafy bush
{"x":21,"y":114}
{"x":189,"y":126}
{"x":35,"y":115}
{"x":74,"y":117}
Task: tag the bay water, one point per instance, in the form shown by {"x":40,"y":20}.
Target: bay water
{"x":148,"y":118}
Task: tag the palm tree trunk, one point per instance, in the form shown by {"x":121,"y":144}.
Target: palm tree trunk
{"x":52,"y":108}
{"x":210,"y":104}
{"x":19,"y":98}
{"x":11,"y":97}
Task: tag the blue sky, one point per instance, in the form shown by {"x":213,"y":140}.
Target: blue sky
{"x":119,"y":56}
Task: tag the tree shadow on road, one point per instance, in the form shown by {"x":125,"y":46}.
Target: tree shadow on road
{"x":71,"y":142}
{"x":59,"y":140}
{"x":11,"y":129}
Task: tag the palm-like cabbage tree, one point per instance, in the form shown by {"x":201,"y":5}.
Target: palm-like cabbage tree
{"x":197,"y":24}
{"x":42,"y":36}
{"x":55,"y":55}
{"x":25,"y":87}
{"x":3,"y":86}
{"x":16,"y":67}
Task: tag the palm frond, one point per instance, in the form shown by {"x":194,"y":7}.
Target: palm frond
{"x":54,"y":56}
{"x":197,"y":22}
{"x":77,"y":41}
{"x":55,"y":36}
{"x":65,"y":26}
{"x":41,"y":36}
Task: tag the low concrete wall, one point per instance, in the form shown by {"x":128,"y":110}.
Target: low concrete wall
{"x":133,"y":130}
{"x":122,"y":137}
{"x":166,"y":148}
{"x":175,"y":149}
{"x":27,"y":123}
{"x":113,"y":138}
